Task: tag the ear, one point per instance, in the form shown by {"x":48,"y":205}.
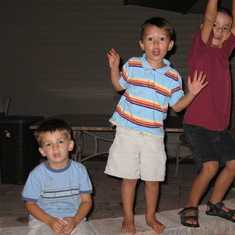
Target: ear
{"x":171,"y":44}
{"x":141,"y":45}
{"x":71,"y":145}
{"x":42,"y":152}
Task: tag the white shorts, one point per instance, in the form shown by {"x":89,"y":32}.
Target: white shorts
{"x":37,"y":227}
{"x":135,"y":155}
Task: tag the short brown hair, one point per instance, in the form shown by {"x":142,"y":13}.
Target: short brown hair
{"x":160,"y":23}
{"x":52,"y":125}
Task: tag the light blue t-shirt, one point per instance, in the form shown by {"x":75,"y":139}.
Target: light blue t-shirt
{"x":57,"y":192}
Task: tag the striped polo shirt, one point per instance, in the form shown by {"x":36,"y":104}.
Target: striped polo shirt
{"x":148,"y":93}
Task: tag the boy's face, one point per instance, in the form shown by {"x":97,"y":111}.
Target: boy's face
{"x":156,"y":43}
{"x":221,"y":29}
{"x":56,"y":147}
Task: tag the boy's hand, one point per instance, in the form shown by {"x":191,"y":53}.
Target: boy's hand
{"x":71,"y":223}
{"x":57,"y":225}
{"x":197,"y":84}
{"x":114,"y":59}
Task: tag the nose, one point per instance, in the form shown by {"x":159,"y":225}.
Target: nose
{"x":155,"y":42}
{"x":219,"y":29}
{"x":55,"y":146}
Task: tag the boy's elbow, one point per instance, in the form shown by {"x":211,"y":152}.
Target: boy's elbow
{"x":118,"y":89}
{"x":176,"y":108}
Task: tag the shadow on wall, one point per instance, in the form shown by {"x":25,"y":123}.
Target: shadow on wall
{"x":232,"y":120}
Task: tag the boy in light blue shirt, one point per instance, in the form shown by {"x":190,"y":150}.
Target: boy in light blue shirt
{"x":58,"y":191}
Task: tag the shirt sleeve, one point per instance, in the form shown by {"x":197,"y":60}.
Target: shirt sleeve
{"x":176,"y":91}
{"x":124,"y":76}
{"x":31,"y":191}
{"x":85,"y":182}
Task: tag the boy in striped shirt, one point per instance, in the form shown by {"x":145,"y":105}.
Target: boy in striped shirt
{"x":151,"y":85}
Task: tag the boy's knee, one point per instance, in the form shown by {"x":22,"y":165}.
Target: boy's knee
{"x":210,"y":168}
{"x":231,"y":165}
{"x":129,"y":181}
{"x":152,"y":183}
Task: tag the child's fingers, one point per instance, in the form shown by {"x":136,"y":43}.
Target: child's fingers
{"x":113,"y":53}
{"x":204,"y":84}
{"x":63,"y":222}
{"x":108,"y":55}
{"x":68,"y":230}
{"x":201,"y":77}
{"x":189,"y":80}
{"x":196,"y":76}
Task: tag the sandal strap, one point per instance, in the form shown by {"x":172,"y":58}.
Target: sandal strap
{"x":215,"y":207}
{"x":227,"y":214}
{"x":189,"y":209}
{"x":186,"y":218}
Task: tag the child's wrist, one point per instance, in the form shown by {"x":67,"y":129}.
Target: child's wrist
{"x":191,"y":94}
{"x":114,"y":69}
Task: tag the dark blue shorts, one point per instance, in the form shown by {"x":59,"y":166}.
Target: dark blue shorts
{"x":207,"y":145}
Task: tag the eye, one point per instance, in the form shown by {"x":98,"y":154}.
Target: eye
{"x":162,"y":39}
{"x":225,"y":28}
{"x":150,"y":39}
{"x":214,"y":25}
{"x":61,"y":141}
{"x":47,"y":145}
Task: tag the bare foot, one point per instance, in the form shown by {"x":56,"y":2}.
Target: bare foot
{"x":156,"y":225}
{"x":128,"y":227}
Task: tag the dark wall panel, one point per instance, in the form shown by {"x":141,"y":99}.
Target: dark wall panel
{"x":53,"y":52}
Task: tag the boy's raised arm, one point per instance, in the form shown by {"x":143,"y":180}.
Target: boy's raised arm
{"x":209,"y":19}
{"x":233,"y":12}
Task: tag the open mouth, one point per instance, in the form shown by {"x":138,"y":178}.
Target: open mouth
{"x":217,"y":37}
{"x":156,"y":52}
{"x":56,"y":155}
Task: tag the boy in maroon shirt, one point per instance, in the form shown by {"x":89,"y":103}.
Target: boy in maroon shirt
{"x":207,"y":117}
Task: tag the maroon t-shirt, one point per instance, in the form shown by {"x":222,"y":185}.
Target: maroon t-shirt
{"x":211,"y":107}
